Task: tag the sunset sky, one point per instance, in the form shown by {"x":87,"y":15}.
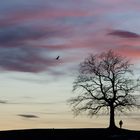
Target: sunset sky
{"x":34,"y":86}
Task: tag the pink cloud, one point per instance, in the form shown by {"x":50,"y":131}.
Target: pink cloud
{"x":96,"y":34}
{"x":129,"y":52}
{"x":23,"y":16}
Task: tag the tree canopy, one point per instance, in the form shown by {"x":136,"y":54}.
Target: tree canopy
{"x":105,"y":81}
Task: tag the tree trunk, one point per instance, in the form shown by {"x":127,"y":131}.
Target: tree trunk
{"x":112,"y":118}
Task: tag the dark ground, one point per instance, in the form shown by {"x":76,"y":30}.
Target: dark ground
{"x":65,"y":134}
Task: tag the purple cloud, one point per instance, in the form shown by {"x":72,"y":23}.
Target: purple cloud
{"x":34,"y":33}
{"x":123,"y":34}
{"x":22,"y":48}
{"x":20,"y":35}
{"x":24,"y":59}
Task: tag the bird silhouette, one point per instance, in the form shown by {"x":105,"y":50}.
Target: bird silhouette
{"x":57,"y":57}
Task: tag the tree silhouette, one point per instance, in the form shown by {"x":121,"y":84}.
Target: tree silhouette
{"x":104,"y":82}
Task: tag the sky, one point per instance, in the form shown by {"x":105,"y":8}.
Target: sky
{"x":34,"y":86}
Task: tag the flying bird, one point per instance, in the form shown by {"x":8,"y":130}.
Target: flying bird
{"x":57,"y":57}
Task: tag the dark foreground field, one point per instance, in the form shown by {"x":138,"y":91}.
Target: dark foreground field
{"x":51,"y":134}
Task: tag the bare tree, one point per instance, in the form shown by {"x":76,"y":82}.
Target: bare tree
{"x":104,"y":82}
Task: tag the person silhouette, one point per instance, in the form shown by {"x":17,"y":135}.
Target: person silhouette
{"x":120,"y":123}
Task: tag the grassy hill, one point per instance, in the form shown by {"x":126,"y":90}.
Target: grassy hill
{"x":89,"y":133}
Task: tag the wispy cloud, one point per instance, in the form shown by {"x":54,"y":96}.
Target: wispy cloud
{"x":32,"y":34}
{"x":28,"y":116}
{"x":3,"y":102}
{"x":24,"y":59}
{"x":123,"y":34}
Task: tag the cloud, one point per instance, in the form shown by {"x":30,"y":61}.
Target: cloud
{"x":28,"y":116}
{"x":22,"y":49}
{"x":123,"y":34}
{"x":32,"y":35}
{"x":23,"y":59}
{"x":3,"y":102}
{"x":16,"y":35}
{"x":34,"y":60}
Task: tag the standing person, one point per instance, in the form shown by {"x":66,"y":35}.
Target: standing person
{"x":120,"y":123}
